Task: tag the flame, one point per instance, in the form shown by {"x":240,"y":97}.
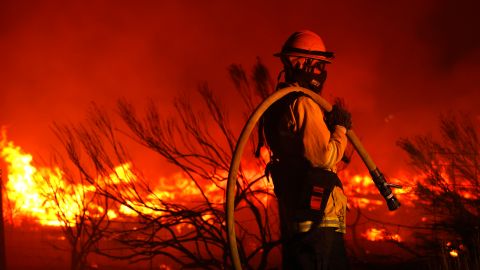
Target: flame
{"x":27,"y":192}
{"x":23,"y":184}
{"x":363,"y":193}
{"x":28,"y":188}
{"x":374,"y":234}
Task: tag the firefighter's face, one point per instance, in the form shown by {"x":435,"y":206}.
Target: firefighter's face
{"x":307,"y":72}
{"x":308,"y":64}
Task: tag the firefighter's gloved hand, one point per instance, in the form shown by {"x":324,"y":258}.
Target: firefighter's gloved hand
{"x":338,"y":116}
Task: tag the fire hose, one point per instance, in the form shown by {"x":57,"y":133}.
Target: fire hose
{"x":377,"y":176}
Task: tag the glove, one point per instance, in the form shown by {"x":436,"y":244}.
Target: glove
{"x":338,"y":116}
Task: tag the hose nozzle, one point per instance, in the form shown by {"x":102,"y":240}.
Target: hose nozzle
{"x":384,"y":188}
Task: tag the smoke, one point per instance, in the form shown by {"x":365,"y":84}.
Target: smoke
{"x":399,"y":65}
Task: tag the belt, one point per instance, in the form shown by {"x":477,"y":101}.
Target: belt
{"x":305,"y":226}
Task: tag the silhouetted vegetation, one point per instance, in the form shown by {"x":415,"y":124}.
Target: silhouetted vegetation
{"x":200,"y":145}
{"x":449,"y":191}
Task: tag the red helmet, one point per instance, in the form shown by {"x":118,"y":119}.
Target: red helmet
{"x":306,"y":44}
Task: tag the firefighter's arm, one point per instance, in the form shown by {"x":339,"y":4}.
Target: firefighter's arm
{"x":322,"y":148}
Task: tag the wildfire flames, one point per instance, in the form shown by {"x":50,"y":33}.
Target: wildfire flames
{"x":24,"y":187}
{"x":27,"y":193}
{"x":373,"y":234}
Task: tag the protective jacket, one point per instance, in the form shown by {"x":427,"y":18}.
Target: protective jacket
{"x":305,"y":151}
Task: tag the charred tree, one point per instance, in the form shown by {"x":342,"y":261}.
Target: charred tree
{"x":82,"y":213}
{"x":199,"y":144}
{"x":449,"y":190}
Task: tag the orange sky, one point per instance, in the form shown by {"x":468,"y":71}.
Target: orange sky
{"x":399,"y":64}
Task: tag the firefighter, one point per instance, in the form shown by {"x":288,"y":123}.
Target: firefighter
{"x":306,"y":144}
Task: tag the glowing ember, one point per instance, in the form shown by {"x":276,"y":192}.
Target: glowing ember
{"x":373,"y":234}
{"x":453,"y":253}
{"x":454,"y":250}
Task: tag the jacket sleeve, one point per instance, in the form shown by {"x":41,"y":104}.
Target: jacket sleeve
{"x":322,"y":148}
